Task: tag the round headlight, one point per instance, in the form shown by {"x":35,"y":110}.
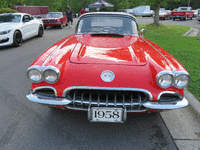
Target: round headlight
{"x":34,"y":75}
{"x":182,"y":81}
{"x":51,"y":76}
{"x":165,"y":80}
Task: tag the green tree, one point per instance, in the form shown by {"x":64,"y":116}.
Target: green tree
{"x":156,"y":4}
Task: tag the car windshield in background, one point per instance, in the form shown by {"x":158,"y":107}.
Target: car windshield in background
{"x":10,"y":18}
{"x":183,"y":9}
{"x":163,"y":11}
{"x":53,"y":15}
{"x":107,"y":24}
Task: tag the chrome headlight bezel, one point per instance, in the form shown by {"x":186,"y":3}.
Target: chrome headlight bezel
{"x":35,"y":68}
{"x":42,"y":70}
{"x":162,"y":74}
{"x":178,"y":75}
{"x":51,"y":69}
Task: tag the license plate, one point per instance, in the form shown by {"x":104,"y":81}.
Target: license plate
{"x":104,"y":114}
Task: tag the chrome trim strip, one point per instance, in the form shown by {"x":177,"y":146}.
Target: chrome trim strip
{"x":173,"y":68}
{"x":45,"y":87}
{"x":107,"y":88}
{"x":108,"y":13}
{"x":56,"y":48}
{"x":166,"y":105}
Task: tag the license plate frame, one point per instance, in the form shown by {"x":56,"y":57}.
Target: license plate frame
{"x":107,"y":114}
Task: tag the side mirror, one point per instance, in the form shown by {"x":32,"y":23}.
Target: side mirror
{"x":26,"y":20}
{"x":142,"y":32}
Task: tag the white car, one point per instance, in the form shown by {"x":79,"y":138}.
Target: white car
{"x":196,"y":12}
{"x":16,"y":27}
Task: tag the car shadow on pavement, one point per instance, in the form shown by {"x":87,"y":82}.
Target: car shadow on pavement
{"x":72,"y":130}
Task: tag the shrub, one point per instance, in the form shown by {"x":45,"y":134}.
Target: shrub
{"x":7,"y":10}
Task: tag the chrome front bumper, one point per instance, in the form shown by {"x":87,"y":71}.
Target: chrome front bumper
{"x":56,"y":101}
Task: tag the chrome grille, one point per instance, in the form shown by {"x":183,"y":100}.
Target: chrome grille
{"x":83,"y":98}
{"x":48,"y":21}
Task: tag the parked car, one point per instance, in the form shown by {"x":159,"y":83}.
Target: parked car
{"x":164,"y":14}
{"x":130,"y":11}
{"x":140,"y":9}
{"x":183,"y":13}
{"x":196,"y":12}
{"x":55,"y":19}
{"x":16,"y":27}
{"x":198,"y":16}
{"x":108,"y":69}
{"x":146,"y":13}
{"x":41,"y":16}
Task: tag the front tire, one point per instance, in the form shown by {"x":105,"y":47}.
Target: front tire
{"x":61,"y":26}
{"x":17,"y":39}
{"x":40,"y":31}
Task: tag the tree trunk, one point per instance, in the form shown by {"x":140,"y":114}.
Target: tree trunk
{"x":156,"y":17}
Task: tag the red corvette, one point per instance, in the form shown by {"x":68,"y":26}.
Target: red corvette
{"x":109,"y":70}
{"x":55,"y":19}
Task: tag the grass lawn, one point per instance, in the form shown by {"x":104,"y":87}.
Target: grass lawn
{"x":185,"y":49}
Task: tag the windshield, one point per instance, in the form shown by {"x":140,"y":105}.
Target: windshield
{"x":54,"y":15}
{"x":10,"y":18}
{"x":163,"y":11}
{"x":107,"y":24}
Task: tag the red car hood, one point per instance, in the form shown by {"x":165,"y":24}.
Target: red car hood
{"x":54,"y":18}
{"x":95,"y":49}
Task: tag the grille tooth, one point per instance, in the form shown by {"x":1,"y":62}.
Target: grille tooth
{"x":106,"y":99}
{"x":82,"y":95}
{"x":115,"y":99}
{"x":90,"y":98}
{"x":98,"y":99}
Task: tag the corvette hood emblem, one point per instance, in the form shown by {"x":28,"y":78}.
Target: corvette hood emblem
{"x":107,"y":76}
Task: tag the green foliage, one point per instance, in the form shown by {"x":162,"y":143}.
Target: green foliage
{"x":76,"y":5}
{"x":185,"y":49}
{"x":7,"y":10}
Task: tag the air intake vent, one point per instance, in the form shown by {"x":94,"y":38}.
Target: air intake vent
{"x":45,"y":92}
{"x":170,"y":97}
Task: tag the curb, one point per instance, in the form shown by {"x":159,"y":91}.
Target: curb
{"x":193,"y":102}
{"x":192,"y":32}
